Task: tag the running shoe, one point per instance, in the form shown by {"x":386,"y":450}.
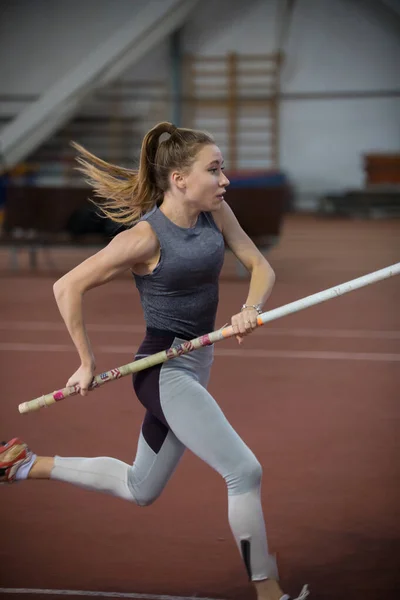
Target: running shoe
{"x":13,"y":455}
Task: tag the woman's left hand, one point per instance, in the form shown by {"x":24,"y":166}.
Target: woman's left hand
{"x":244,"y":323}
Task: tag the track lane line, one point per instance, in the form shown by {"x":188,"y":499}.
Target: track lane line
{"x":128,"y":351}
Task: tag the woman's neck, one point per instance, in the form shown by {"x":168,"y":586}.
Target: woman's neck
{"x":178,"y":212}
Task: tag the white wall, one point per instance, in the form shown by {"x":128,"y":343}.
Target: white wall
{"x":232,"y":25}
{"x":333,"y":46}
{"x":40,"y":39}
{"x":339,"y":46}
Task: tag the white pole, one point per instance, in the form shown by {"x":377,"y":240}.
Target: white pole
{"x":210,"y":338}
{"x":328,"y":294}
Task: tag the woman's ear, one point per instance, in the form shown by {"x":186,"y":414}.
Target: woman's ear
{"x":178,"y":179}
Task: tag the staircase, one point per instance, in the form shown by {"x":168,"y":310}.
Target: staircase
{"x":42,"y":117}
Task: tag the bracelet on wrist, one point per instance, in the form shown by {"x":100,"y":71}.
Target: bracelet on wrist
{"x":256,"y":307}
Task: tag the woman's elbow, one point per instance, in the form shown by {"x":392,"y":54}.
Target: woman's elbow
{"x":63,"y":286}
{"x":271,"y":273}
{"x":58,"y":288}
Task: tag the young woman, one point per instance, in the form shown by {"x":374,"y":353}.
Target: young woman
{"x":179,"y":223}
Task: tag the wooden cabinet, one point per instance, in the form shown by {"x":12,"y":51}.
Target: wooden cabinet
{"x":382,"y":168}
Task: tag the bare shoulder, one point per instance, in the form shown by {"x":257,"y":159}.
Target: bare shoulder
{"x":142,"y":239}
{"x":224,"y":216}
{"x":130,"y":247}
{"x":237,"y":239}
{"x":137,"y":243}
{"x":218,"y":216}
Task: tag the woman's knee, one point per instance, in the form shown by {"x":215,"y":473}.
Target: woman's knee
{"x":145,"y":500}
{"x":246,"y":476}
{"x":142,"y":493}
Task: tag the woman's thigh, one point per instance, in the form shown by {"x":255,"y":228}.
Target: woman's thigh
{"x":199,"y":423}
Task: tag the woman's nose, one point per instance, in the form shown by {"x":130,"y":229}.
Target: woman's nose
{"x":225,"y":181}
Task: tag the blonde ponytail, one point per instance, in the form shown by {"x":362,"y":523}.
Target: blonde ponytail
{"x":128,"y":194}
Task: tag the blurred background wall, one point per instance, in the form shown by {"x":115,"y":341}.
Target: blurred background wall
{"x":308,"y":90}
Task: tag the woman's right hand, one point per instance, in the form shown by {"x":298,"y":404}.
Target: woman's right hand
{"x":83,"y":377}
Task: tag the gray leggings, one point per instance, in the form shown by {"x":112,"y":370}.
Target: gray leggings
{"x":182,"y":414}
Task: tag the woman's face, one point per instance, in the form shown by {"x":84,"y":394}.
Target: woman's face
{"x":205,"y":183}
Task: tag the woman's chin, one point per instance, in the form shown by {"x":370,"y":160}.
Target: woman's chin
{"x":218,"y":202}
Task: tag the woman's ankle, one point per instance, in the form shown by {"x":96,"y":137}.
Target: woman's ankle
{"x":41,"y":468}
{"x":268,"y":589}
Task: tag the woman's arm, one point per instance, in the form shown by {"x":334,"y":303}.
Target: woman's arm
{"x":127,"y":249}
{"x":262,"y":275}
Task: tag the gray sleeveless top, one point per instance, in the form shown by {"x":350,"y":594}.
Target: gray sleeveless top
{"x":181,"y":294}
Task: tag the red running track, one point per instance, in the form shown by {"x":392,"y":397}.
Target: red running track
{"x":315,"y":395}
